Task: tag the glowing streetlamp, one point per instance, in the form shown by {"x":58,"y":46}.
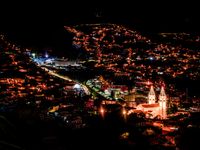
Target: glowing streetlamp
{"x":102,"y":111}
{"x":33,"y":55}
{"x":124,"y":113}
{"x":46,"y":55}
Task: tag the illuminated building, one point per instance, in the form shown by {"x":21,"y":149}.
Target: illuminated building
{"x":151,"y":96}
{"x":163,"y":103}
{"x":153,"y":109}
{"x":130,"y":100}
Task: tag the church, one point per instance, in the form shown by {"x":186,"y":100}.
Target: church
{"x":152,"y":108}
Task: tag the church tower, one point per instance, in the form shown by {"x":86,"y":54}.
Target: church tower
{"x":151,"y":96}
{"x":163,"y":103}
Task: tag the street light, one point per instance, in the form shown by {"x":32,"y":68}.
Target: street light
{"x":124,"y":113}
{"x":46,"y":55}
{"x":33,"y":55}
{"x":102,"y":111}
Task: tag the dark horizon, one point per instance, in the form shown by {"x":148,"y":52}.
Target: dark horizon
{"x":138,"y":12}
{"x":42,"y":26}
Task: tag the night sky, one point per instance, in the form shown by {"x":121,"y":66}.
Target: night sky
{"x":143,"y":12}
{"x":42,"y":23}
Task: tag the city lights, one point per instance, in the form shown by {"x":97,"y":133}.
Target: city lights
{"x":33,"y":55}
{"x":135,"y":89}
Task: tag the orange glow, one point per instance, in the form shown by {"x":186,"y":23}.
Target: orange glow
{"x":124,"y":112}
{"x":102,"y":111}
